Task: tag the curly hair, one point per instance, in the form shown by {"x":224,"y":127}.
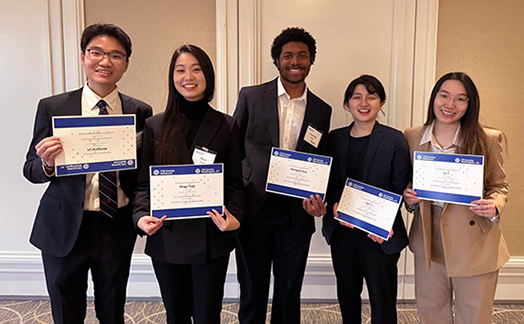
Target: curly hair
{"x":293,"y":34}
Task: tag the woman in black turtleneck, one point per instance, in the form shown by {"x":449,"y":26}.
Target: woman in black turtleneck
{"x":190,"y":256}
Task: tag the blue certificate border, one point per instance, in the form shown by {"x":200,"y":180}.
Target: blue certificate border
{"x":180,"y":213}
{"x":184,"y":169}
{"x":83,"y":168}
{"x":447,"y":158}
{"x":93,"y":121}
{"x":384,"y":194}
{"x":363,"y":225}
{"x":300,"y":156}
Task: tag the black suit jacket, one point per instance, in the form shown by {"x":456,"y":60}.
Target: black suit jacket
{"x":387,"y":165}
{"x":257,"y":116}
{"x":194,"y":241}
{"x":59,"y":215}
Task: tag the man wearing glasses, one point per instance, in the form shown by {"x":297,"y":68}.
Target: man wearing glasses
{"x":75,"y":227}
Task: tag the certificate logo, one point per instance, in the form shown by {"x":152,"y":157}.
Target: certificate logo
{"x":86,"y":166}
{"x":419,"y":157}
{"x":309,"y":159}
{"x":130,"y":162}
{"x":276,"y":153}
{"x":197,"y":171}
{"x":350,"y":184}
{"x":457,"y":160}
{"x":156,"y":172}
{"x":380,"y":194}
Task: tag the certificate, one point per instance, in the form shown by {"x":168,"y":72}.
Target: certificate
{"x":451,"y":178}
{"x":298,"y":174}
{"x":95,"y":144}
{"x":186,"y":191}
{"x":369,"y":208}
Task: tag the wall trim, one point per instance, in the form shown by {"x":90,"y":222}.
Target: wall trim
{"x":22,"y":275}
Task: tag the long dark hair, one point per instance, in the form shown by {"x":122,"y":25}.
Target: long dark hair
{"x":174,"y":126}
{"x":472,"y":137}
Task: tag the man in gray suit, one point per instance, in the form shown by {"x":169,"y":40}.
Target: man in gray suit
{"x":277,"y":229}
{"x":76,"y":228}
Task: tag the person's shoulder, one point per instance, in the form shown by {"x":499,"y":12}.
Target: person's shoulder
{"x":155,"y":121}
{"x":493,"y":133}
{"x":414,"y":131}
{"x":137,"y":102}
{"x":249,"y":90}
{"x":317,"y":101}
{"x":61,"y":97}
{"x":391,"y":131}
{"x":339,"y":131}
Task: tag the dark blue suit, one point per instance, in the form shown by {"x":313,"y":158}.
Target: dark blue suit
{"x":67,"y":238}
{"x":387,"y":165}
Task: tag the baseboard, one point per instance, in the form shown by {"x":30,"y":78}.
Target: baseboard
{"x":22,"y":276}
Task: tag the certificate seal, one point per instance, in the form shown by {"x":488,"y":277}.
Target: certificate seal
{"x":86,"y":166}
{"x":457,"y":160}
{"x":276,"y":153}
{"x":309,"y":159}
{"x":197,"y":171}
{"x":156,"y":172}
{"x":130,"y":162}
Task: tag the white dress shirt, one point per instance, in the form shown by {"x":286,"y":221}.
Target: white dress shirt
{"x":291,"y":114}
{"x":89,"y":108}
{"x":434,"y":147}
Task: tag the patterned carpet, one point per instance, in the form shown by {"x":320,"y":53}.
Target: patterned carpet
{"x":35,"y":311}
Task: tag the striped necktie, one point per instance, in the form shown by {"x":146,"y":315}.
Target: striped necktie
{"x":107,"y":181}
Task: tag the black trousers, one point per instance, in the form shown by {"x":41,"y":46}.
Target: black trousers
{"x":355,"y":257}
{"x":192,"y":290}
{"x":268,"y":241}
{"x":105,"y":246}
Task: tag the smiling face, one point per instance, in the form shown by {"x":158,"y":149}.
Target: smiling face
{"x":451,"y":102}
{"x":189,"y":78}
{"x":294,"y":62}
{"x":102,"y":75}
{"x":364,"y":106}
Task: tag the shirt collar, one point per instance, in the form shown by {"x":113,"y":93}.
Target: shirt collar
{"x":282,"y":91}
{"x":429,"y":137}
{"x":92,"y":98}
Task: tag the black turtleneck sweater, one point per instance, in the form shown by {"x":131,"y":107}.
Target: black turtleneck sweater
{"x":194,"y":111}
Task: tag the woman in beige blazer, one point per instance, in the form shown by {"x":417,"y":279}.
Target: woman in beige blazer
{"x":458,"y":249}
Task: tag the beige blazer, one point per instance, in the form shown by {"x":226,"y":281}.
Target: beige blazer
{"x":472,"y":245}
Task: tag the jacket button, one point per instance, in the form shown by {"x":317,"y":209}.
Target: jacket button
{"x":471,"y":223}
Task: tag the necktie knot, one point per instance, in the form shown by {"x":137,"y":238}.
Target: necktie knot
{"x":102,"y":105}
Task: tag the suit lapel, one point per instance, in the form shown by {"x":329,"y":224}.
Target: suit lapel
{"x":343,"y":153}
{"x":309,"y":118}
{"x":74,"y":103}
{"x":207,"y":131}
{"x":270,"y":103}
{"x":374,"y":141}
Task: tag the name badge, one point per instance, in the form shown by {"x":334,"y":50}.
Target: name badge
{"x":203,"y":155}
{"x":139,"y":139}
{"x":313,"y":136}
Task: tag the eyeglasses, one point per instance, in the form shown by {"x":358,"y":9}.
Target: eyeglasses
{"x":459,"y":100}
{"x":97,"y":55}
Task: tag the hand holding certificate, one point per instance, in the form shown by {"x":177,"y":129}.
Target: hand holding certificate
{"x":368,"y":208}
{"x":298,"y":174}
{"x":186,"y":191}
{"x":451,"y":178}
{"x":95,"y":144}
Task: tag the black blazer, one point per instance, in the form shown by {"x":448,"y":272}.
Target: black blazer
{"x":194,"y":241}
{"x":59,"y":215}
{"x":257,"y":117}
{"x":387,"y":165}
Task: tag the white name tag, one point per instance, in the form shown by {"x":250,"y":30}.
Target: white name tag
{"x":313,"y":136}
{"x":202,"y":155}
